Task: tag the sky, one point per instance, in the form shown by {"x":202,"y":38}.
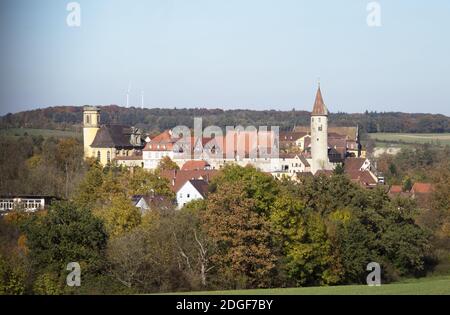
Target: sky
{"x":229,"y":54}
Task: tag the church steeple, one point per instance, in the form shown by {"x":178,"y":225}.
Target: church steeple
{"x":319,"y":108}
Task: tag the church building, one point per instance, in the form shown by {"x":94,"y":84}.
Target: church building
{"x":111,"y":142}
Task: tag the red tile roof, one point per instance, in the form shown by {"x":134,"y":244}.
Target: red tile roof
{"x":422,"y":188}
{"x":162,"y":142}
{"x":396,"y":189}
{"x":195,"y":165}
{"x":354,"y":164}
{"x":291,"y":136}
{"x":178,"y":178}
{"x":365,"y":178}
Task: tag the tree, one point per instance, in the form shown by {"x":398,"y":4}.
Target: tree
{"x":303,"y":237}
{"x":258,"y":186}
{"x":193,"y":245}
{"x":166,"y":164}
{"x":143,"y":182}
{"x":12,"y":276}
{"x":339,"y":170}
{"x":146,"y":258}
{"x":89,"y":190}
{"x":120,"y":216}
{"x":65,"y":234}
{"x":69,"y":158}
{"x":244,"y":257}
{"x":407,"y":184}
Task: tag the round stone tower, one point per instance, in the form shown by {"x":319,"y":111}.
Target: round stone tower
{"x":319,"y":135}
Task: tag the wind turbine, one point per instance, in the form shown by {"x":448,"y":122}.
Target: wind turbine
{"x":128,"y":94}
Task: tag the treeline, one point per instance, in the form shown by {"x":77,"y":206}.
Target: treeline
{"x":418,"y":163}
{"x":157,"y":119}
{"x":34,"y":165}
{"x":251,"y":231}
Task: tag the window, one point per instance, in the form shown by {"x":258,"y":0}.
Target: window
{"x":108,"y":157}
{"x":312,"y":119}
{"x":99,"y":155}
{"x":320,"y":128}
{"x":319,"y":119}
{"x":188,"y":196}
{"x":88,"y":119}
{"x":6,"y":204}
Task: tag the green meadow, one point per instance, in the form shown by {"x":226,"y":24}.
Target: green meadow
{"x":412,"y":138}
{"x":439,"y":285}
{"x":46,"y":133}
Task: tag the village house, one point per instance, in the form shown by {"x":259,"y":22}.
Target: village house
{"x":146,"y":203}
{"x":192,"y":189}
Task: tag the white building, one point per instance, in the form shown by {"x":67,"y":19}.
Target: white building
{"x":26,"y":203}
{"x":193,"y":189}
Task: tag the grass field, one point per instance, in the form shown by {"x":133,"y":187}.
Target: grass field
{"x":46,"y":133}
{"x":425,"y":286}
{"x":412,"y":138}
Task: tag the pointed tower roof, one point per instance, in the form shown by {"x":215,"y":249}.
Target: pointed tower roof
{"x":319,"y":106}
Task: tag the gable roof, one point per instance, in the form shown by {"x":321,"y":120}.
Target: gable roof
{"x":351,"y":133}
{"x":110,"y":136}
{"x":178,"y":178}
{"x":422,"y":188}
{"x":304,"y":161}
{"x":396,"y":189}
{"x":195,"y":165}
{"x":162,"y":142}
{"x":287,"y":136}
{"x":354,"y":164}
{"x":319,"y":108}
{"x":365,"y":178}
{"x":200,"y":185}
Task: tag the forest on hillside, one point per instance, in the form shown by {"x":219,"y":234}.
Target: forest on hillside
{"x":158,"y":119}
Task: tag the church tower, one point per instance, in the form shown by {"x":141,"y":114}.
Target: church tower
{"x":319,"y":135}
{"x":91,"y":124}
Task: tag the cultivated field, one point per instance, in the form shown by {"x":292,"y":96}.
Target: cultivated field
{"x":46,"y":133}
{"x":412,"y":138}
{"x":425,"y":286}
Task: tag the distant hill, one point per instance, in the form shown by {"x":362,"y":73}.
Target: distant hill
{"x":157,"y":119}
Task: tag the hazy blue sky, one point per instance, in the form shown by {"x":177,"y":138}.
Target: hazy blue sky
{"x":257,"y":54}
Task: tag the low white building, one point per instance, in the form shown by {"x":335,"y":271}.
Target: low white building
{"x":193,"y":189}
{"x":289,"y":164}
{"x":26,"y":203}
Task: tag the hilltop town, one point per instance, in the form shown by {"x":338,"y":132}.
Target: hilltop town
{"x":304,"y":151}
